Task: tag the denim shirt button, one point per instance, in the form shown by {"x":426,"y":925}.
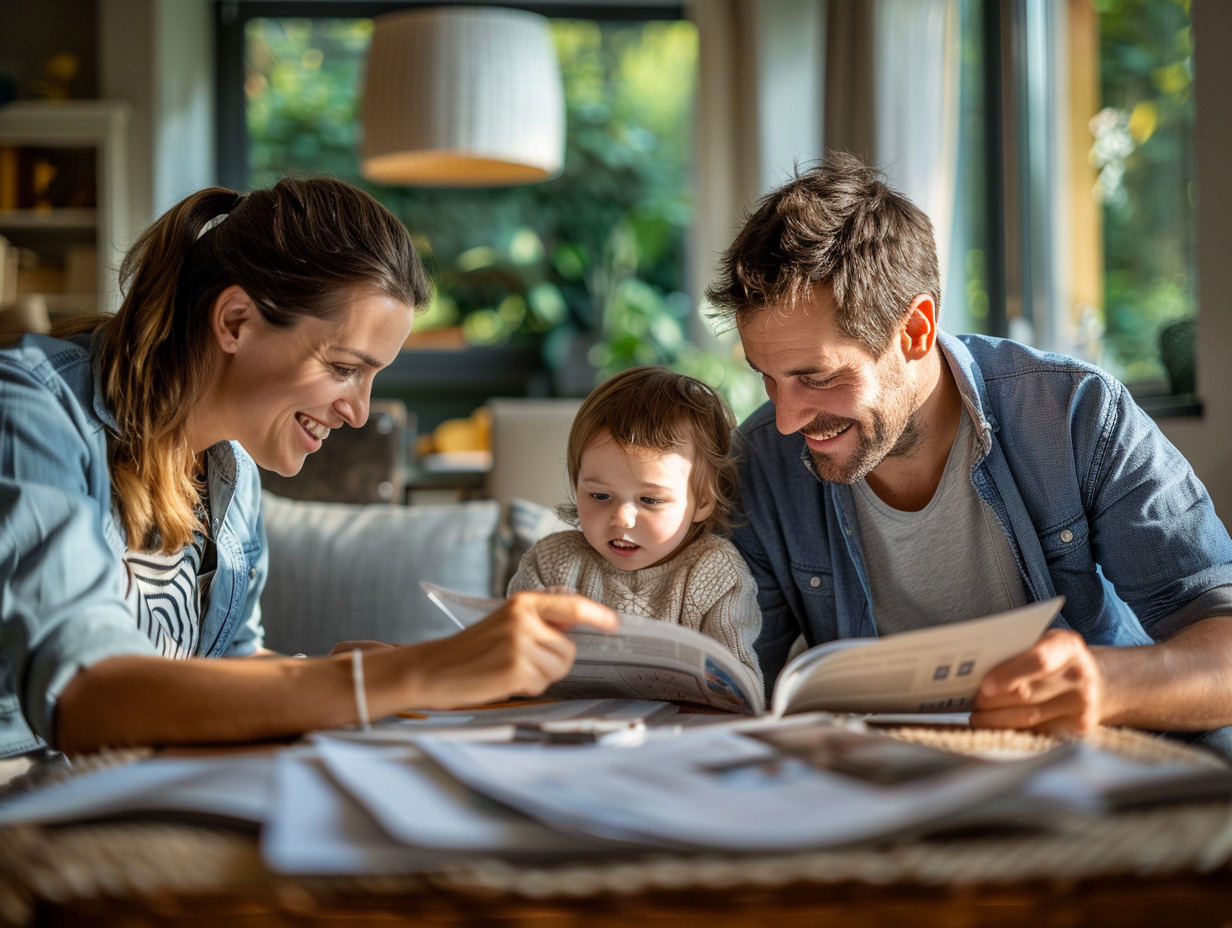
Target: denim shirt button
{"x":252,"y":573}
{"x":1067,"y":536}
{"x":814,"y":582}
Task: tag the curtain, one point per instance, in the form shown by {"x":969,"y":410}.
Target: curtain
{"x":783,"y":79}
{"x":916,"y":54}
{"x":759,"y":111}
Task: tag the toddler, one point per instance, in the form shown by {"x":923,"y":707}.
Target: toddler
{"x":652,"y":468}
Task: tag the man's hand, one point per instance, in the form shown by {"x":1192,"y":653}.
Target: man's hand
{"x":1055,"y":686}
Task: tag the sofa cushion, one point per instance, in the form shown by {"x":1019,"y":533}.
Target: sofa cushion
{"x":340,"y":572}
{"x":525,"y":524}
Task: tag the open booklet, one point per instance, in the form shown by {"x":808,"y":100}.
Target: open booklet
{"x":929,"y":670}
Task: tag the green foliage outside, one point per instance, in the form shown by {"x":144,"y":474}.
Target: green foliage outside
{"x":589,"y":265}
{"x":1141,"y":144}
{"x":1144,"y":150}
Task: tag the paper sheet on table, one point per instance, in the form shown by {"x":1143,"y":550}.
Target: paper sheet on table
{"x":421,"y":805}
{"x":715,"y":789}
{"x":317,"y":828}
{"x":1099,"y":781}
{"x":236,"y":787}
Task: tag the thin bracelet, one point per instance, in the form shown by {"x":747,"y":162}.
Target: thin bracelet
{"x":357,"y":677}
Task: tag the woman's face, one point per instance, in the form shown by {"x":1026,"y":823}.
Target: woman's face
{"x":281,"y":391}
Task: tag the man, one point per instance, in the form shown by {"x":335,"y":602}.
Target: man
{"x":900,"y":477}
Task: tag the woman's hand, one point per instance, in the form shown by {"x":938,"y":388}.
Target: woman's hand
{"x":518,"y":650}
{"x":125,"y":700}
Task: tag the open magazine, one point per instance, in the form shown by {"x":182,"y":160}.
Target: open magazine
{"x":929,"y":670}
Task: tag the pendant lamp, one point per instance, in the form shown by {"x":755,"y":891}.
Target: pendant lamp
{"x":462,"y":97}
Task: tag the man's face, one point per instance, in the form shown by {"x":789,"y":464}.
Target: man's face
{"x":852,"y":409}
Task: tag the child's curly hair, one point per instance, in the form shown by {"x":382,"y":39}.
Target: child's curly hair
{"x":660,"y":410}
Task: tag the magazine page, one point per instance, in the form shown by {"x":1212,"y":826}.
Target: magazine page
{"x":646,"y":659}
{"x":930,"y":670}
{"x":714,"y":789}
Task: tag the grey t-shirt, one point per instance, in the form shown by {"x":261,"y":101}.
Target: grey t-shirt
{"x":946,"y":563}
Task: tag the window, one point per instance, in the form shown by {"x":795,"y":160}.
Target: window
{"x":585,"y":273}
{"x":1141,"y":145}
{"x":1076,"y":213}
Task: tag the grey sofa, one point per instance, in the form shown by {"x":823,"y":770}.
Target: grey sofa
{"x":341,"y":571}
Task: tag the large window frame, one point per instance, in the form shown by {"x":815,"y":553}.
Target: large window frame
{"x":1037,"y":268}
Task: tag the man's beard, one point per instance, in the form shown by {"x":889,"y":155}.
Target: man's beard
{"x":895,"y":430}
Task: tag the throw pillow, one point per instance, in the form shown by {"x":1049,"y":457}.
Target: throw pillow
{"x":526,"y":524}
{"x":341,"y":572}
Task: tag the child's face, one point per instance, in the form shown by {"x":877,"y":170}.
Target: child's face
{"x":635,"y":505}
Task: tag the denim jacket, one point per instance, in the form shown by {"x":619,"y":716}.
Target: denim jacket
{"x":1097,"y":505}
{"x":62,"y":579}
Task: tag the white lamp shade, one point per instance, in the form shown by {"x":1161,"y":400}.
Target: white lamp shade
{"x":462,"y":96}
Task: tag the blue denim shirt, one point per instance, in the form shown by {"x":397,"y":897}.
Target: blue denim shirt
{"x":62,"y":579}
{"x":1097,"y":505}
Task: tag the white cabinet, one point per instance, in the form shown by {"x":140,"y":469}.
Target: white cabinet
{"x":64,"y":194}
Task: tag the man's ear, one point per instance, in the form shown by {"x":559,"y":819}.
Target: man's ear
{"x":919,"y":330}
{"x":230,"y":316}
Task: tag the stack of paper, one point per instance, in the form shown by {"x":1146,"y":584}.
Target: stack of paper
{"x":415,"y":794}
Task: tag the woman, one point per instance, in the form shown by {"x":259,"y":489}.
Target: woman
{"x":130,"y":524}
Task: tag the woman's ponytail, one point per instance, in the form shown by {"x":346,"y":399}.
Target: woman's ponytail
{"x":152,"y":366}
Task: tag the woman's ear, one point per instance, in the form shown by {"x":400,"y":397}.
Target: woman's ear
{"x":231,"y":314}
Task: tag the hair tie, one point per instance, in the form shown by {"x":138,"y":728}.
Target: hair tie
{"x":212,"y":224}
{"x":217,"y":220}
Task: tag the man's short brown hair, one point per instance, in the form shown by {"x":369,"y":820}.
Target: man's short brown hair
{"x":838,"y":225}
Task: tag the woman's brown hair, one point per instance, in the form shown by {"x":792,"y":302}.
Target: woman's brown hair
{"x":661,"y":410}
{"x":302,"y":248}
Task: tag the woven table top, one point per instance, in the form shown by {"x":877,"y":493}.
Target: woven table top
{"x":169,"y":861}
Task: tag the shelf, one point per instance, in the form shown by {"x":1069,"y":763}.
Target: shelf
{"x":85,"y":143}
{"x":58,"y":219}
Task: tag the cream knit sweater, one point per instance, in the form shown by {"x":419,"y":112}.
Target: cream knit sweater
{"x":706,"y":587}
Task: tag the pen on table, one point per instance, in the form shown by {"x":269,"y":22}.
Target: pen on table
{"x":624,"y":733}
